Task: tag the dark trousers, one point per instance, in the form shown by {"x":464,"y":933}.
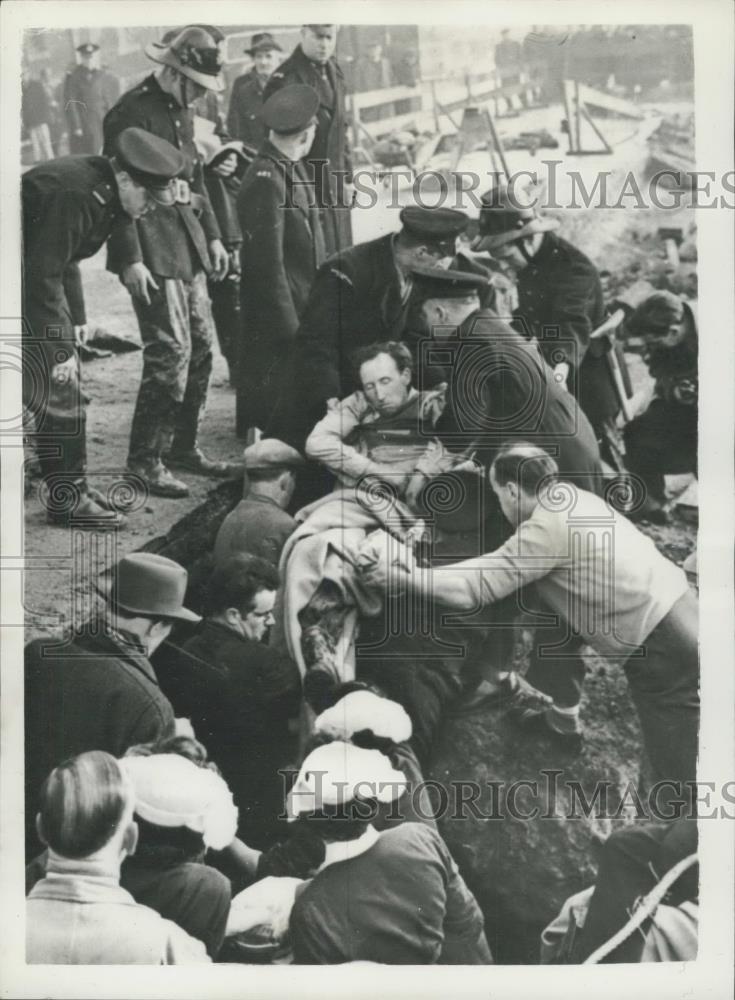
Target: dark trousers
{"x":633,"y":861}
{"x":177,"y":331}
{"x":57,"y":411}
{"x":663,"y":676}
{"x":664,"y":684}
{"x":662,"y":440}
{"x":225,"y":299}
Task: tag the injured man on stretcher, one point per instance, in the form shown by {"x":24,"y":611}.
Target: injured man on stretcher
{"x":379,"y":442}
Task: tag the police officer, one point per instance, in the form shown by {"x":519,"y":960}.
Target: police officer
{"x":243,"y":117}
{"x":69,"y":208}
{"x":88,"y":96}
{"x":164,"y":259}
{"x":283,"y":246}
{"x":560,"y":300}
{"x":360,"y":296}
{"x":312,"y":62}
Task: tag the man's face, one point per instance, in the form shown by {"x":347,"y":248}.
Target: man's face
{"x":306,"y":141}
{"x":668,"y":334}
{"x":432,"y":254}
{"x":440,"y":317}
{"x":508,"y":498}
{"x":385,"y":387}
{"x":256,"y":622}
{"x":134,"y":198}
{"x":510,"y":254}
{"x":265,"y":61}
{"x":319,"y":44}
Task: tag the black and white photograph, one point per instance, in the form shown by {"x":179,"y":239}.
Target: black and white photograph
{"x":367,"y":501}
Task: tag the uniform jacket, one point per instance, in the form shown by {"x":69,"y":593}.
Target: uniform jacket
{"x":356,"y":300}
{"x":88,"y":96}
{"x":69,"y":208}
{"x":330,"y":141}
{"x":36,"y":106}
{"x":282,"y":249}
{"x":94,"y":693}
{"x":243,"y":118}
{"x":520,"y":400}
{"x":561,"y":289}
{"x":171,"y":241}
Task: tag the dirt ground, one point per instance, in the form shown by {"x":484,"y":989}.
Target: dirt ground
{"x":59,"y":563}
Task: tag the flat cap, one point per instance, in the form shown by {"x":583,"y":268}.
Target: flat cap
{"x":436,"y":282}
{"x":290,"y":109}
{"x":150,"y":160}
{"x":270,"y":453}
{"x":433,"y":223}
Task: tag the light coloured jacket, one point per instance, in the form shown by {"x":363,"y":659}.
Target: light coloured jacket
{"x":336,"y":440}
{"x":81,"y":916}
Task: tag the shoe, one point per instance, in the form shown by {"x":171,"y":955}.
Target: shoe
{"x":522,"y":700}
{"x":319,"y":687}
{"x":196,"y":461}
{"x":159,"y":481}
{"x":87,"y":516}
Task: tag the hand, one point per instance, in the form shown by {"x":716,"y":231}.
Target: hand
{"x":183,"y":727}
{"x":138,"y":279}
{"x":81,"y":333}
{"x":348,"y":194}
{"x":385,"y":563}
{"x":65,"y":371}
{"x":415,"y":485}
{"x":77,"y":131}
{"x":332,"y":403}
{"x":561,"y":373}
{"x":220,"y":259}
{"x":227,"y":166}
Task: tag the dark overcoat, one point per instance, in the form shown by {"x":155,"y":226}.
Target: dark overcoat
{"x":330,"y":144}
{"x":356,"y":300}
{"x":282,"y":248}
{"x":243,"y":116}
{"x":560,"y":302}
{"x":93,"y":693}
{"x":501,"y":390}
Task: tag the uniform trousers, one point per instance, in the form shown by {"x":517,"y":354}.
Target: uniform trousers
{"x":177,"y":330}
{"x":57,"y":411}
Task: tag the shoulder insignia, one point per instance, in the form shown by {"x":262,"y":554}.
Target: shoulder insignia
{"x":278,"y":75}
{"x":342,"y":276}
{"x":263,"y":173}
{"x":103,"y":194}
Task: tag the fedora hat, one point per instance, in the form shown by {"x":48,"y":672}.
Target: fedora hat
{"x":195,"y":53}
{"x":503,"y":220}
{"x":152,"y":586}
{"x":262,"y":41}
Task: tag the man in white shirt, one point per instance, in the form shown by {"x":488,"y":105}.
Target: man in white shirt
{"x":605,"y":583}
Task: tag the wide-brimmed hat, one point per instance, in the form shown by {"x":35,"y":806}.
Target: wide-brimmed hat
{"x":262,"y":41}
{"x":504,"y":218}
{"x":152,"y":586}
{"x":194,"y":52}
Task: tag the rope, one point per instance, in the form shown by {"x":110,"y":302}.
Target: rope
{"x":645,"y":910}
